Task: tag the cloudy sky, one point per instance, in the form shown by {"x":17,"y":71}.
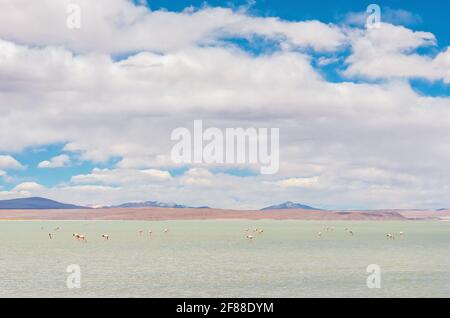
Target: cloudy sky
{"x":363,"y":113}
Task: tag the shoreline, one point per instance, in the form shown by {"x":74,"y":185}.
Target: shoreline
{"x":215,"y":219}
{"x":178,"y":214}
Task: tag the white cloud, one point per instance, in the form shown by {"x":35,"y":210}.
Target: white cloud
{"x":55,"y":162}
{"x":323,"y":60}
{"x":26,"y":189}
{"x":118,"y":26}
{"x":299,"y":182}
{"x":122,"y":176}
{"x":8,"y":162}
{"x":28,"y":186}
{"x":198,"y":177}
{"x":389,"y":52}
{"x":371,"y":144}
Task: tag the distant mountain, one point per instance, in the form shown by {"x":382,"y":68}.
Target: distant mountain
{"x":154,"y":204}
{"x":35,"y":203}
{"x":289,"y":205}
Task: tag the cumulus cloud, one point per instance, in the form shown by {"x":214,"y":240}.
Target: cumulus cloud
{"x":118,"y":86}
{"x":299,"y":182}
{"x":119,"y":26}
{"x":55,"y":162}
{"x":26,"y":188}
{"x":389,"y":52}
{"x":122,"y":176}
{"x":8,"y":162}
{"x":198,"y":177}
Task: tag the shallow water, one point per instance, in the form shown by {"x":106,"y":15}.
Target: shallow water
{"x":214,"y":259}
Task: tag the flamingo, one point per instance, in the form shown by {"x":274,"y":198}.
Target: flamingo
{"x":105,"y":236}
{"x":79,"y":237}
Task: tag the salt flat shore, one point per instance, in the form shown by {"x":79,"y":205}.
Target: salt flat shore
{"x":156,"y":214}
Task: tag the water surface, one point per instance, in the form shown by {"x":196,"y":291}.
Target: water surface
{"x":214,"y":259}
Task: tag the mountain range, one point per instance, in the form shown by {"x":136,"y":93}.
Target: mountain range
{"x":35,"y":203}
{"x":43,"y":203}
{"x":289,"y":205}
{"x":154,"y":204}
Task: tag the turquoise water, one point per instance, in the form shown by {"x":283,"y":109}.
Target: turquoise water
{"x":214,"y":259}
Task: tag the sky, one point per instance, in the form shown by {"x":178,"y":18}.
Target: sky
{"x":363,"y":113}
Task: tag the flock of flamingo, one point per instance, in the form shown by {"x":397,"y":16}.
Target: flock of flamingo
{"x":350,"y":232}
{"x":82,"y":238}
{"x":331,"y":229}
{"x":257,"y":231}
{"x":391,"y":236}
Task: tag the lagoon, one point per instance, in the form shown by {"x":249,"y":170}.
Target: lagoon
{"x":214,"y":259}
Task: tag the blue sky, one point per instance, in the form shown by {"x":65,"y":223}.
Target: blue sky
{"x":92,"y":109}
{"x":31,"y":158}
